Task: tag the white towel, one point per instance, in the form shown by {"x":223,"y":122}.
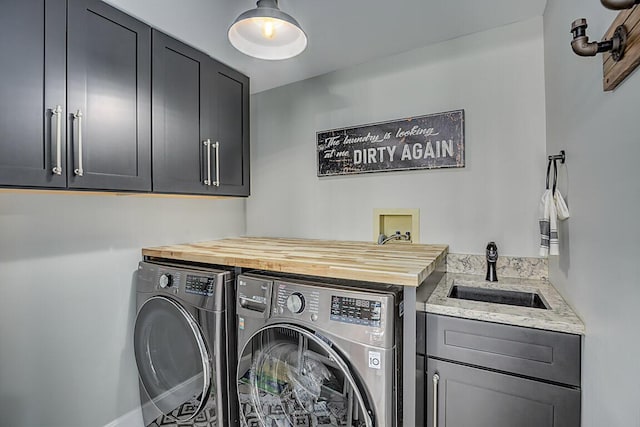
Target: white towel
{"x":561,"y":206}
{"x":548,"y":225}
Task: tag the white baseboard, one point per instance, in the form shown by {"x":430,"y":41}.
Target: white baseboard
{"x":130,"y":419}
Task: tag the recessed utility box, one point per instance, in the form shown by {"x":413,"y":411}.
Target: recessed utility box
{"x":388,"y":221}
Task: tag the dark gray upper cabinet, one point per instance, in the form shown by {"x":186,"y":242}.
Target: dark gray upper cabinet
{"x":200,"y":122}
{"x":32,"y":85}
{"x":93,"y":64}
{"x":179,"y":116}
{"x":109,"y":87}
{"x":230,"y":125}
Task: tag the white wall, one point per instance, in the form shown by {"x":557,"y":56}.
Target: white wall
{"x":498,"y":78}
{"x":67,"y":301}
{"x":598,"y":270}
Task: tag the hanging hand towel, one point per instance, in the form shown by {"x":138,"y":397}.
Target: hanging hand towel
{"x":548,"y":225}
{"x":561,"y":206}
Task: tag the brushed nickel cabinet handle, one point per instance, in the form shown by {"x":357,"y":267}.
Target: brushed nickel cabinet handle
{"x":79,"y":171}
{"x":57,"y":113}
{"x":436,"y":380}
{"x":217,"y":147}
{"x":207,"y":143}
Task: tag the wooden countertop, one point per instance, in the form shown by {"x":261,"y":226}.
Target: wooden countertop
{"x":397,"y":264}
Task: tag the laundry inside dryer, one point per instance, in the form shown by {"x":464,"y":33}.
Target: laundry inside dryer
{"x":290,"y":380}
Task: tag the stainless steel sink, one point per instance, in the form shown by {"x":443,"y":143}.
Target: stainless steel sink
{"x":498,"y":296}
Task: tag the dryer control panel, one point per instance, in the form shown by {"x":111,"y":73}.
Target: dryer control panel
{"x":199,"y":287}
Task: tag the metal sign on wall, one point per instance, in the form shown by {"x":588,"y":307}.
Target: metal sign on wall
{"x":425,"y":142}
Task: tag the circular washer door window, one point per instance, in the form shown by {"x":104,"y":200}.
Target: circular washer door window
{"x":288,"y":376}
{"x":173,"y":359}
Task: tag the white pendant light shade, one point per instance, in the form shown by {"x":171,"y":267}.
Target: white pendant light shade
{"x":267,"y":33}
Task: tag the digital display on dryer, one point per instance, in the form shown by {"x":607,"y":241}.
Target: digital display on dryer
{"x":356,"y":311}
{"x":199,"y":285}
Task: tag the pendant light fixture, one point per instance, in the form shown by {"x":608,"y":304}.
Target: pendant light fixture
{"x":266,"y":32}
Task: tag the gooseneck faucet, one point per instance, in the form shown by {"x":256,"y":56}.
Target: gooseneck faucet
{"x":492,"y":259}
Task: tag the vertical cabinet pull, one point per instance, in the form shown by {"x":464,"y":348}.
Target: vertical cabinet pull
{"x":57,"y":113}
{"x":217,"y":147}
{"x":79,"y":171}
{"x":436,"y":380}
{"x":207,"y":143}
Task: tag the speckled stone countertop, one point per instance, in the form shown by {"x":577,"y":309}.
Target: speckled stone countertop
{"x":559,"y":317}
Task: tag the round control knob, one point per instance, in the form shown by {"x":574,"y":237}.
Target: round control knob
{"x":295,"y":303}
{"x":165,"y":281}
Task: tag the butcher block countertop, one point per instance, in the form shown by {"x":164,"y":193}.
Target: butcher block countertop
{"x":396,"y":264}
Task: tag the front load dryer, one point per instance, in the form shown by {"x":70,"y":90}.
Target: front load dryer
{"x":314,"y":353}
{"x":181,"y":346}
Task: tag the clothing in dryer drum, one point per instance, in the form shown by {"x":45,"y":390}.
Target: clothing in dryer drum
{"x":295,"y":378}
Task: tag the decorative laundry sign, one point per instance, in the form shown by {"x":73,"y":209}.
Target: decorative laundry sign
{"x":425,"y":142}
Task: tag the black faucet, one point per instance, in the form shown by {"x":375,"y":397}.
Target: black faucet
{"x":492,"y":258}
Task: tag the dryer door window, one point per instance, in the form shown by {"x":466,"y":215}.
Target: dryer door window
{"x":172,"y":357}
{"x":287,"y":376}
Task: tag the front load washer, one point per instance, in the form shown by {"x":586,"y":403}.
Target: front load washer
{"x":181,"y":345}
{"x":317,"y":353}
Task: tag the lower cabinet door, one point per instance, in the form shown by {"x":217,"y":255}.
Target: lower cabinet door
{"x":462,"y":396}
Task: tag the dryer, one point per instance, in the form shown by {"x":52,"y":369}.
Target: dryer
{"x":181,"y":345}
{"x":315,"y":353}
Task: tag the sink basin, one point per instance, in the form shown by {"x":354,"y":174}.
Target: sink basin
{"x":498,"y":296}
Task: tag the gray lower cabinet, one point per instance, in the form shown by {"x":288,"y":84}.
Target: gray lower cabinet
{"x":467,"y":396}
{"x":109,"y":88}
{"x":32,"y":66}
{"x":200,"y":122}
{"x":484,"y":374}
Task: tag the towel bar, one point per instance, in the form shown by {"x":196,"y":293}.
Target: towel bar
{"x":562,"y":157}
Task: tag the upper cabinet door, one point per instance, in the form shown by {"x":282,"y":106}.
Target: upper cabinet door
{"x":180,"y":156}
{"x":32,"y":85}
{"x":230,"y":127}
{"x":109,"y":88}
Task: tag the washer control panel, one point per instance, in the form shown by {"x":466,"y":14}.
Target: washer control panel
{"x":295,"y":302}
{"x":355,"y":310}
{"x":294,"y":299}
{"x":366,"y":316}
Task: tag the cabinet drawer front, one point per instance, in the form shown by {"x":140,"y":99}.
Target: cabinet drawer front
{"x":551,"y":356}
{"x":476,"y":397}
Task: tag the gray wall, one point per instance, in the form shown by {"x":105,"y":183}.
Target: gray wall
{"x":598,"y":269}
{"x":497,"y":76}
{"x":67,"y":301}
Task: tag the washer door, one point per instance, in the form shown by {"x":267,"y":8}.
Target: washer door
{"x":287,"y":376}
{"x":172,"y":357}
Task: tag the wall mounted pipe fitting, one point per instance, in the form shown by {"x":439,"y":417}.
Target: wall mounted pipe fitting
{"x":619,"y":4}
{"x":583,"y":47}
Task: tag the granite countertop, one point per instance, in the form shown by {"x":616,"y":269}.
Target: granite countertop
{"x":559,"y":317}
{"x":395,"y":264}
